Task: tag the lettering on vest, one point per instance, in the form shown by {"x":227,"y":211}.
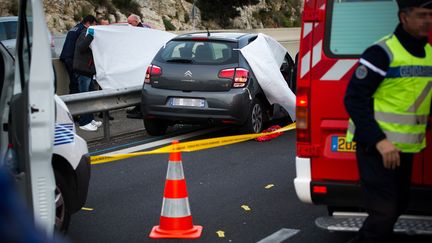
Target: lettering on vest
{"x":409,"y":71}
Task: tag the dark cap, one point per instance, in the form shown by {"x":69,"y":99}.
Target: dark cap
{"x":414,"y":3}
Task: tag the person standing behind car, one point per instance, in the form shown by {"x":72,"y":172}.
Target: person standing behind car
{"x":83,"y":66}
{"x":67,"y":53}
{"x":389,"y":99}
{"x":135,"y":113}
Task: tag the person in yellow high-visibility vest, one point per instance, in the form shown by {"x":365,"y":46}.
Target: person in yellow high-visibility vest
{"x":388,"y":100}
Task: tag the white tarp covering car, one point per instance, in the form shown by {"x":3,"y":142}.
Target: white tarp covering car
{"x":265,"y":56}
{"x":122,"y":54}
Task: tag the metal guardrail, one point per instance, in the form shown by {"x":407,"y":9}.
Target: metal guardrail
{"x":102,"y":101}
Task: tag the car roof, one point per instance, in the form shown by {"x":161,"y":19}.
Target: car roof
{"x":9,"y":18}
{"x":225,"y":36}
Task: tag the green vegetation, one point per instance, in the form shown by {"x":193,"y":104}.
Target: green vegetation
{"x":222,"y":10}
{"x":168,"y":25}
{"x":186,"y":17}
{"x":288,"y":16}
{"x":127,"y":6}
{"x":78,"y":16}
{"x":13,"y":8}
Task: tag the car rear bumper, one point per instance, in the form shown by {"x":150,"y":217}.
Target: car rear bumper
{"x":219,"y":107}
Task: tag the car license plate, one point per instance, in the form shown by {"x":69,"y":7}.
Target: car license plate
{"x":339,"y":144}
{"x":187,"y":102}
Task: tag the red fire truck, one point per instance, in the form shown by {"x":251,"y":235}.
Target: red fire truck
{"x":334,"y":34}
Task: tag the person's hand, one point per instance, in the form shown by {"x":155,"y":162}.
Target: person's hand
{"x":390,"y":154}
{"x":90,"y":31}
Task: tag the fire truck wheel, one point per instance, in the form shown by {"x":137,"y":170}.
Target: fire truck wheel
{"x":63,"y":198}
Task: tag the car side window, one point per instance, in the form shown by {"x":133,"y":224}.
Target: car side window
{"x":3,"y":35}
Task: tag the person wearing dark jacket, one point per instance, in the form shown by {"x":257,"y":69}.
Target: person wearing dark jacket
{"x":67,"y":53}
{"x":84,"y":67}
{"x":388,"y":100}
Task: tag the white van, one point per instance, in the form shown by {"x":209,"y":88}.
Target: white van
{"x":52,"y":166}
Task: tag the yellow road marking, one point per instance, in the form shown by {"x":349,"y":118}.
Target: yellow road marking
{"x":269,"y":186}
{"x":246,"y":207}
{"x":220,"y":233}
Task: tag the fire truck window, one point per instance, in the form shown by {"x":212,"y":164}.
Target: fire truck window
{"x":354,"y":24}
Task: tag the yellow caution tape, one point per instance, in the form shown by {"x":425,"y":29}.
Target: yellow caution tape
{"x":189,"y":146}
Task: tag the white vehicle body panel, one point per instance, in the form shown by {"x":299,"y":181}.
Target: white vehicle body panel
{"x":41,"y":121}
{"x":303,"y":179}
{"x":67,"y":143}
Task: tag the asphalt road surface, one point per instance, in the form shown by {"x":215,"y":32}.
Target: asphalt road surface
{"x":125,"y":197}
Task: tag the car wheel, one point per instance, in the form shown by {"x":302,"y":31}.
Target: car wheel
{"x":255,"y":120}
{"x":63,"y":197}
{"x":155,"y":127}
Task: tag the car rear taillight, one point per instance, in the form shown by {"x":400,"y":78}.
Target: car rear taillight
{"x":152,"y":71}
{"x":240,"y":76}
{"x":302,"y":115}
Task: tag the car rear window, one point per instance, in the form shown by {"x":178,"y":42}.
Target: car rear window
{"x":199,"y":52}
{"x":353,"y":25}
{"x":8,"y":30}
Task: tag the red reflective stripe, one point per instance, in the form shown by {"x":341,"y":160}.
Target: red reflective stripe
{"x":320,"y":189}
{"x":177,"y":189}
{"x":183,"y":223}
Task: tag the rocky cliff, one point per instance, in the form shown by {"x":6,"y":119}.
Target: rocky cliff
{"x":61,"y":15}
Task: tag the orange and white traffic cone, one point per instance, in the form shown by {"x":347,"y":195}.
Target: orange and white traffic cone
{"x":176,"y":218}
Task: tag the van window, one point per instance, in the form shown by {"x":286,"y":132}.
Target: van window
{"x":353,"y":25}
{"x":199,"y":52}
{"x":8,"y":30}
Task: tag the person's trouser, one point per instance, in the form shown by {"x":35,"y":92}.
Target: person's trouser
{"x":73,"y":80}
{"x":85,"y":85}
{"x":385,"y":193}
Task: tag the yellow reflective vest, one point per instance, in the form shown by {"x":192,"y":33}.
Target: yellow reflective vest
{"x":403,"y":99}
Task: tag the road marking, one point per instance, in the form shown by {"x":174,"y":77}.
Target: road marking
{"x":279,"y":236}
{"x":220,"y":233}
{"x":246,"y":208}
{"x":87,"y":209}
{"x":162,"y":142}
{"x":269,"y":186}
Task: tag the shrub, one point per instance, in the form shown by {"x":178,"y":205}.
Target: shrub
{"x":128,"y":6}
{"x":186,"y":18}
{"x":168,"y":25}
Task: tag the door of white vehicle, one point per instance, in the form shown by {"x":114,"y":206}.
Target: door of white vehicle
{"x":31,"y":126}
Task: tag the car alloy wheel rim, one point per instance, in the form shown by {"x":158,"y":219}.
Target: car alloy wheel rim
{"x":60,"y":208}
{"x":257,"y":118}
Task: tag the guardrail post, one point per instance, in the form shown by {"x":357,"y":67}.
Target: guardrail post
{"x":107,"y":135}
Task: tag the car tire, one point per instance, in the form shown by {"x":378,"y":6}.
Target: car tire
{"x":256,"y":118}
{"x":155,"y":127}
{"x":63,"y":199}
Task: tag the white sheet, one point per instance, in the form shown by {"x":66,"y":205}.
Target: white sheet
{"x":123,"y":53}
{"x":265,"y":56}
